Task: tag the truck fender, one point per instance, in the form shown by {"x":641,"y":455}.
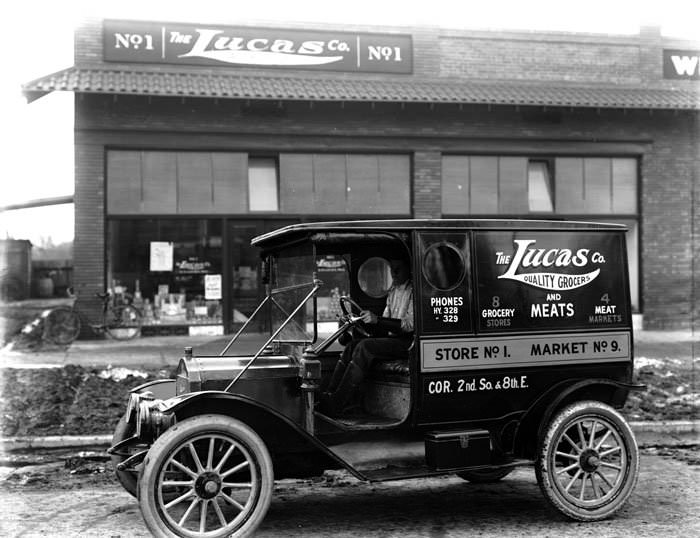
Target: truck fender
{"x":541,"y":411}
{"x":276,"y":429}
{"x":161,"y":389}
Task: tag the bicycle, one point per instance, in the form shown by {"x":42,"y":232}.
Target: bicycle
{"x":62,"y":324}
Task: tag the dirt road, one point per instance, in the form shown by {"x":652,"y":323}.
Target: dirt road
{"x":53,"y":502}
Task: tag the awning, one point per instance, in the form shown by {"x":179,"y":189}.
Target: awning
{"x":353,"y":89}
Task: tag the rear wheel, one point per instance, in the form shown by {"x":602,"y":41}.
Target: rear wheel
{"x":588,"y":461}
{"x":209,"y":475}
{"x":123,"y":322}
{"x":485,"y":476}
{"x":61,"y":325}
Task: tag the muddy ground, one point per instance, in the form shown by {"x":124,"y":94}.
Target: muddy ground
{"x":73,"y":499}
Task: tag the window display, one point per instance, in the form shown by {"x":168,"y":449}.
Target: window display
{"x":173,"y":269}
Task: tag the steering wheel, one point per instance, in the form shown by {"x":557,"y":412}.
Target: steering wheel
{"x":351,"y":311}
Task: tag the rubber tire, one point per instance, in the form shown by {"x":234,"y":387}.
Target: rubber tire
{"x":127,"y":479}
{"x":182,"y":432}
{"x":556,"y":427}
{"x":485,"y":476}
{"x":118,"y":312}
{"x":62,"y":338}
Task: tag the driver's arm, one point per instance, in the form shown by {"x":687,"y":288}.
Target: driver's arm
{"x":390,"y":324}
{"x":403,"y":324}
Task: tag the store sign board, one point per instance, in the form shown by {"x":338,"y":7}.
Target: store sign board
{"x":228,"y":46}
{"x":682,"y":64}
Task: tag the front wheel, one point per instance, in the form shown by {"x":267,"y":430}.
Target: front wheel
{"x":209,"y":475}
{"x":588,"y":461}
{"x":123,"y":322}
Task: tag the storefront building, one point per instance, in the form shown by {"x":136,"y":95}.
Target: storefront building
{"x":190,"y":139}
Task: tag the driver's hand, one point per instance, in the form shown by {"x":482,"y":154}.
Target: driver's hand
{"x":368,"y":317}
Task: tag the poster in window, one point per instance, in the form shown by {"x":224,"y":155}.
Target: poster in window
{"x":212,"y":287}
{"x":161,"y":256}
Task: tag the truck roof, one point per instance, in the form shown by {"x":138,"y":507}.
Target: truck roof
{"x":296,"y":232}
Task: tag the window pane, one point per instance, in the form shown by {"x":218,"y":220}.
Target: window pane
{"x":569,"y":185}
{"x":329,"y":184}
{"x":512,"y":185}
{"x":483,"y":172}
{"x":624,"y":185}
{"x":262,"y":184}
{"x":597,"y":185}
{"x":394,"y":185}
{"x":539,"y":192}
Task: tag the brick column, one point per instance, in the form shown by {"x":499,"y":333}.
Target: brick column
{"x":89,"y":241}
{"x":427,"y":183}
{"x":668,"y":257}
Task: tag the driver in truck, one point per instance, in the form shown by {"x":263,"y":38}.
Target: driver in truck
{"x":396,"y":322}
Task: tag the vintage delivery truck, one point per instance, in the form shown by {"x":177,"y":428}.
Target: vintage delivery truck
{"x":521,"y":353}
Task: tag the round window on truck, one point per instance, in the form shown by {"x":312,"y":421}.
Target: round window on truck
{"x":443,"y":266}
{"x":374,"y":277}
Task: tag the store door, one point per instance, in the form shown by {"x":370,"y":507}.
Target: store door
{"x":246,"y":290}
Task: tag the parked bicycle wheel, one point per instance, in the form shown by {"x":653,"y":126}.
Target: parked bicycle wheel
{"x":123,"y":322}
{"x":61,"y":325}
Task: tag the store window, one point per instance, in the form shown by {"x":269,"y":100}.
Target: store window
{"x":350,"y":184}
{"x":173,"y":270}
{"x":596,"y":185}
{"x":176,"y":182}
{"x":262,"y":184}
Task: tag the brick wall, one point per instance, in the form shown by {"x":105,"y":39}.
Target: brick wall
{"x":668,"y":173}
{"x":532,"y":58}
{"x":89,"y":241}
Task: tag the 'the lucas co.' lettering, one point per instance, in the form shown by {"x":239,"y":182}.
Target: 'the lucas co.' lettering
{"x":526,"y":257}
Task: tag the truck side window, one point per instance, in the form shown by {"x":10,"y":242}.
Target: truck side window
{"x":443,"y":266}
{"x":374,"y":277}
{"x":444,"y":283}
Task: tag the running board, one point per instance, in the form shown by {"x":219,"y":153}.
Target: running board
{"x":423,"y":471}
{"x":360,"y":423}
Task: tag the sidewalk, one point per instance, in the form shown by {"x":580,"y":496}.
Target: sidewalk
{"x":154,"y":351}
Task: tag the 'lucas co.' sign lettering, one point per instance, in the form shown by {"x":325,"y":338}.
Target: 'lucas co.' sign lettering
{"x":226,"y":46}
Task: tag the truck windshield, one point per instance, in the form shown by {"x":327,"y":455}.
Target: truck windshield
{"x":292,"y":278}
{"x":294,"y":273}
